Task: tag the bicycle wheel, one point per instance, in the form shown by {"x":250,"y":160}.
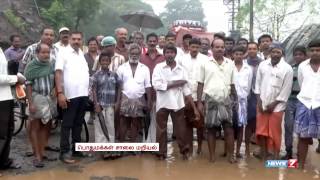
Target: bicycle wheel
{"x":85,"y":132}
{"x":19,"y":117}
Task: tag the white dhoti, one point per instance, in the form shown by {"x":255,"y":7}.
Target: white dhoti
{"x":108,"y":113}
{"x":152,"y":131}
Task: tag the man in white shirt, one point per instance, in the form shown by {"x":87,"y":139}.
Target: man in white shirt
{"x":135,"y":78}
{"x":64,"y":34}
{"x":191,"y":63}
{"x":72,"y":85}
{"x":273,"y":87}
{"x":6,"y":111}
{"x":264,"y":42}
{"x":215,"y":82}
{"x":307,"y":123}
{"x":242,"y":80}
{"x":171,"y":39}
{"x":169,"y":79}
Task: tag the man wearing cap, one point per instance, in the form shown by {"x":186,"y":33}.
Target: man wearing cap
{"x":121,"y":36}
{"x":108,"y":45}
{"x":273,"y":87}
{"x":63,"y":38}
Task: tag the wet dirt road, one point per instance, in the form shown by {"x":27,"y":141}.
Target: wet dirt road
{"x":147,"y":167}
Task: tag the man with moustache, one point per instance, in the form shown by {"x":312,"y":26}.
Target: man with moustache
{"x":63,"y":38}
{"x":151,"y":59}
{"x":72,"y":85}
{"x":191,"y":63}
{"x":169,"y":79}
{"x":135,"y":78}
{"x":273,"y":87}
{"x":215,"y":82}
{"x":121,"y":38}
{"x":47,"y":37}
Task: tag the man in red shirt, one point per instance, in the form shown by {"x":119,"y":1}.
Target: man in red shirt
{"x":151,"y":58}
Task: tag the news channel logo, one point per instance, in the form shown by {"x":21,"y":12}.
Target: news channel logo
{"x":291,"y":163}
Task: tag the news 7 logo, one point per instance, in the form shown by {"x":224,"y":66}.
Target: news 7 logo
{"x":292,"y":163}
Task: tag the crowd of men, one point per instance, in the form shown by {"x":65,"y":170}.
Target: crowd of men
{"x":243,"y":88}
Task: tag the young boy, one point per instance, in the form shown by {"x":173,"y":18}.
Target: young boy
{"x":42,"y":104}
{"x":307,"y":120}
{"x":242,"y":79}
{"x":106,"y":95}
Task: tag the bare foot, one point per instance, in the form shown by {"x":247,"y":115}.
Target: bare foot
{"x":238,"y":155}
{"x":199,"y":151}
{"x":161,"y":157}
{"x":247,"y":152}
{"x":224,"y":155}
{"x":185,"y":156}
{"x":232,"y":160}
{"x":318,"y":149}
{"x":212,"y":159}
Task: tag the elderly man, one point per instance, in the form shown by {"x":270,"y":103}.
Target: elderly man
{"x":47,"y":37}
{"x":273,"y":87}
{"x":121,"y":37}
{"x":138,"y":38}
{"x":135,"y":78}
{"x":205,"y":47}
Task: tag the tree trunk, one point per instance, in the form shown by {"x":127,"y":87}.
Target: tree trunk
{"x":251,"y":21}
{"x":77,"y":23}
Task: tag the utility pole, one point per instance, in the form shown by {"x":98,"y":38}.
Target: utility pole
{"x":232,"y":15}
{"x":233,"y":9}
{"x":251,"y":21}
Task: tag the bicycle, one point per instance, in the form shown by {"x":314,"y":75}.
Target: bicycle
{"x":20,"y":118}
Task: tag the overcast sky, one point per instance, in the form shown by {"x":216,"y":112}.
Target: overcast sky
{"x":214,"y":11}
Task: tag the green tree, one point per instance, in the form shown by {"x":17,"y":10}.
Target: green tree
{"x":108,"y":17}
{"x":57,"y":15}
{"x":69,"y":13}
{"x":183,"y":10}
{"x":273,"y":16}
{"x":83,"y":10}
